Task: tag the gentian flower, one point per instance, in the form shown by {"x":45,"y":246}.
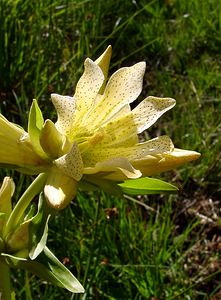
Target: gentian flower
{"x":95,"y":138}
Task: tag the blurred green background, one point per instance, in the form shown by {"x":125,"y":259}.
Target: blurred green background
{"x":158,"y":247}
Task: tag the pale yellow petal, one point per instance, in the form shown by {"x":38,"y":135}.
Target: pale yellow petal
{"x":151,"y":165}
{"x":71,"y":163}
{"x":8,"y":128}
{"x":100,"y":154}
{"x":114,"y":169}
{"x":125,"y":110}
{"x":88,"y":86}
{"x":60,"y":189}
{"x":124,"y":86}
{"x":161,"y":144}
{"x":149,"y":110}
{"x":121,"y":131}
{"x":155,"y":146}
{"x":103,"y":62}
{"x":65,"y":107}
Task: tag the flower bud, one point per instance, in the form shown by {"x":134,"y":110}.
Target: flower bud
{"x":19,"y":239}
{"x":52,"y":141}
{"x":6,"y":192}
{"x":60,"y":189}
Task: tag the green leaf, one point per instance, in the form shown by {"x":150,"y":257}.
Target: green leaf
{"x":48,"y":268}
{"x":147,"y":186}
{"x":64,"y":277}
{"x":38,"y":229}
{"x":35,"y":125}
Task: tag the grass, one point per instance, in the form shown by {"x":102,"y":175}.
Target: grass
{"x":170,"y":248}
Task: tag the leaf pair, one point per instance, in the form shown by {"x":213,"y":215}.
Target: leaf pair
{"x":49,"y":268}
{"x":38,"y":259}
{"x":42,"y":261}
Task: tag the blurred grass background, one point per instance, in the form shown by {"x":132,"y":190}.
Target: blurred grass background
{"x":165,"y":247}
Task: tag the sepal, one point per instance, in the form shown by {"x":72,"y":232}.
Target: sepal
{"x":38,"y":229}
{"x":35,"y":125}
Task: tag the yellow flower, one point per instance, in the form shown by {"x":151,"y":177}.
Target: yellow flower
{"x":95,"y":138}
{"x":16,"y":149}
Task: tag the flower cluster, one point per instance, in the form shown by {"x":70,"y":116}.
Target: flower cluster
{"x":93,"y":144}
{"x":95,"y":138}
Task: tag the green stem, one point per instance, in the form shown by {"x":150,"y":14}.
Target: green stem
{"x":5,"y":284}
{"x":18,"y":211}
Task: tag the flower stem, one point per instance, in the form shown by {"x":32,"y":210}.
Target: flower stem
{"x":5,"y":284}
{"x":18,"y":211}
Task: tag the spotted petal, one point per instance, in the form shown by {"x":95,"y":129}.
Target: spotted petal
{"x":162,"y":144}
{"x":71,"y":163}
{"x":88,"y":87}
{"x":122,"y":131}
{"x":65,"y":107}
{"x":114,"y":169}
{"x":125,"y":110}
{"x":124,"y":86}
{"x":149,"y":110}
{"x":150,"y":165}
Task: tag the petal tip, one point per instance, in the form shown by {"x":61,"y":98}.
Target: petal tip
{"x":192,"y":155}
{"x":142,"y":65}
